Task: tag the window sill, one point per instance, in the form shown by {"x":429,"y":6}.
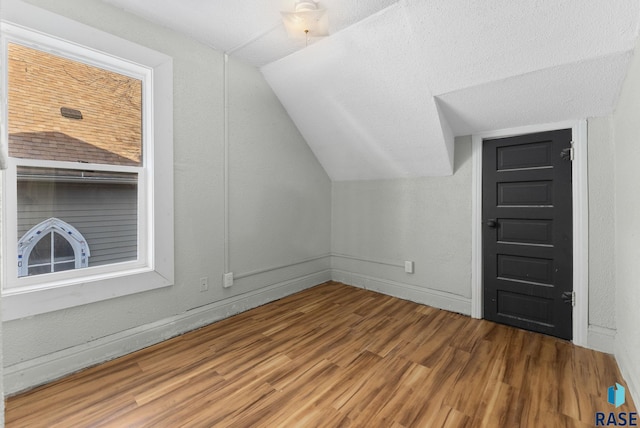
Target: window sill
{"x":26,"y":302}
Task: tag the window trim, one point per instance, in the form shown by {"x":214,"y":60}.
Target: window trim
{"x":28,"y":241}
{"x":77,"y":41}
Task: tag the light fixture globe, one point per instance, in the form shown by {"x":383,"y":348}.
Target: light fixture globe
{"x":306,"y":20}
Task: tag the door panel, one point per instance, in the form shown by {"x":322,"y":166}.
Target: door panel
{"x":527,"y":232}
{"x":531,"y":155}
{"x":530,"y":269}
{"x":525,"y":193}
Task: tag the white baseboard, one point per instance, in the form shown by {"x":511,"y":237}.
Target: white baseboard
{"x":28,"y":374}
{"x":601,"y":339}
{"x":630,"y":370}
{"x":425,"y":296}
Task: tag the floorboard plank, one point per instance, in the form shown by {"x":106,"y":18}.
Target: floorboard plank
{"x":335,"y":356}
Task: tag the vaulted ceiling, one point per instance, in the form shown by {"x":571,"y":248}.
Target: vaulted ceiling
{"x":384,"y":95}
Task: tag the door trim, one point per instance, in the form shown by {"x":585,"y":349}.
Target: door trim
{"x":580,"y":216}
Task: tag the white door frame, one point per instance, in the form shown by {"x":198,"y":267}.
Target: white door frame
{"x":580,"y":220}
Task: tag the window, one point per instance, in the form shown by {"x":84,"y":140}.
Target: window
{"x":51,"y":246}
{"x":104,"y":130}
{"x":85,"y":132}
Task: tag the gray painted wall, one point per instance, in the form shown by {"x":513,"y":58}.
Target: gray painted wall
{"x":428,"y":221}
{"x":279,"y":210}
{"x":274,"y":176}
{"x":1,"y":334}
{"x":627,"y":228}
{"x":425,"y":220}
{"x":601,"y":226}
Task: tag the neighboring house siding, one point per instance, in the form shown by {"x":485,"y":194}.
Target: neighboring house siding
{"x":105,"y":213}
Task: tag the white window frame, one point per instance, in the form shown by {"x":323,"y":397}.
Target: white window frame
{"x":22,"y":297}
{"x":29,"y":240}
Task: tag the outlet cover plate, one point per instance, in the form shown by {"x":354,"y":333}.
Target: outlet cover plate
{"x":204,"y":284}
{"x":227,"y":280}
{"x":408,"y":267}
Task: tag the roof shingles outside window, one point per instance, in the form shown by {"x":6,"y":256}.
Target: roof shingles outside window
{"x":40,"y":84}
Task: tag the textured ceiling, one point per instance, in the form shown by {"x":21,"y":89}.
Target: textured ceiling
{"x":250,"y":30}
{"x":363,"y":102}
{"x":384,"y":95}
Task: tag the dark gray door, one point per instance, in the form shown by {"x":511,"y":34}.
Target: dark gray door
{"x":527,"y":232}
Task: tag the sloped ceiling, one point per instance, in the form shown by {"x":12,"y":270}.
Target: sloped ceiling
{"x":386,"y":93}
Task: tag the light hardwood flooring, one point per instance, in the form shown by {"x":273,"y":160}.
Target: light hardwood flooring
{"x":336,"y":356}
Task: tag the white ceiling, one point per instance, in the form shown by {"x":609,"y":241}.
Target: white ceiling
{"x":250,"y":30}
{"x":384,"y":95}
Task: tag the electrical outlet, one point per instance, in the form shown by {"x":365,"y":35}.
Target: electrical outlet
{"x":408,"y":267}
{"x":204,"y":284}
{"x":227,"y":280}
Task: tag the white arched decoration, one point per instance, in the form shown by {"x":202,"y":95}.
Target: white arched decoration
{"x":53,"y":225}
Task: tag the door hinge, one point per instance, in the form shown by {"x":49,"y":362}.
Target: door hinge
{"x":569,"y":297}
{"x":568,"y":153}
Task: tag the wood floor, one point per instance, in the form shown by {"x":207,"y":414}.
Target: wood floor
{"x":336,"y":356}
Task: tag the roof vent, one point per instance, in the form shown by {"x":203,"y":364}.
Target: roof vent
{"x":71,"y":113}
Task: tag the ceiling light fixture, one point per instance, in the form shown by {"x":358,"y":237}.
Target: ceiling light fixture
{"x":306,"y":20}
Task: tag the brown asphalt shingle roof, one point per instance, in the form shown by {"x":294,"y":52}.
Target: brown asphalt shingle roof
{"x":61,"y":147}
{"x":40,"y":84}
